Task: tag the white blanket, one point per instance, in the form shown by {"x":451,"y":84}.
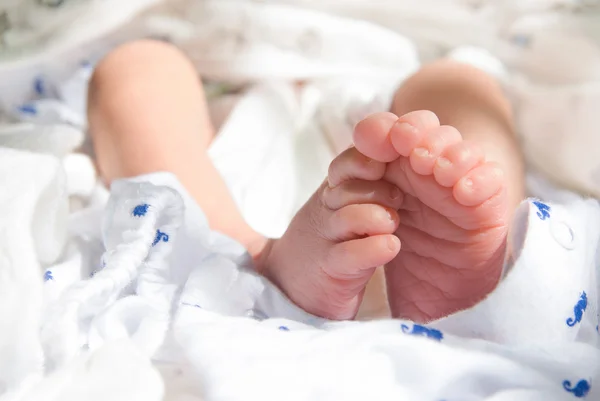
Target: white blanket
{"x":140,"y":348}
{"x":170,"y":296}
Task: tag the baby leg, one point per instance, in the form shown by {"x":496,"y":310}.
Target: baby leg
{"x":147,"y":113}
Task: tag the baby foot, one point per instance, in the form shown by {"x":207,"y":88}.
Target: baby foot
{"x":337,"y":240}
{"x":454,"y":214}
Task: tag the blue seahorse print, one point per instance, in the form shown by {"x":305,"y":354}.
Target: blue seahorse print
{"x":521,"y":40}
{"x":192,"y":305}
{"x":284,"y":328}
{"x":418,"y":330}
{"x":102,"y":266}
{"x":28,"y":109}
{"x":579,"y":390}
{"x":39,"y":86}
{"x":544,"y":210}
{"x":52,"y":3}
{"x":48,"y":276}
{"x":160,"y":236}
{"x":578,"y":310}
{"x":140,"y":210}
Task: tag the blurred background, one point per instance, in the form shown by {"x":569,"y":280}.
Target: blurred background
{"x":287,"y":80}
{"x":350,"y":54}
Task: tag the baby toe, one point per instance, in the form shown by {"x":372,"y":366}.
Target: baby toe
{"x":351,"y":164}
{"x":411,"y":129}
{"x":456,"y":161}
{"x":361,"y":254}
{"x":371,"y":136}
{"x":479,"y":184}
{"x":360,"y":192}
{"x":357,"y":221}
{"x":424,"y":156}
{"x":384,"y":136}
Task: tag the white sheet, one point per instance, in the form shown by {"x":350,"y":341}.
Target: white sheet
{"x":169,"y":295}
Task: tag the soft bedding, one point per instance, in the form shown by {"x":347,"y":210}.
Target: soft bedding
{"x":128,"y":295}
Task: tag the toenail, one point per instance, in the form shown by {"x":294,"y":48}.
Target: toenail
{"x":422,"y":152}
{"x":389,"y":215}
{"x":498,"y":172}
{"x":467,"y":182}
{"x":443,"y":162}
{"x":395,"y":193}
{"x":404,"y":126}
{"x":392,"y":243}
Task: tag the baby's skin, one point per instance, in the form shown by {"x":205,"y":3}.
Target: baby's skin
{"x":410,"y":195}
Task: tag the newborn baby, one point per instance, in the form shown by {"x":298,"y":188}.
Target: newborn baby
{"x":428,"y":194}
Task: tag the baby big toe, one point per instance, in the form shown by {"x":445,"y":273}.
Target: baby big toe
{"x":411,"y":130}
{"x":371,"y":137}
{"x":385,"y":136}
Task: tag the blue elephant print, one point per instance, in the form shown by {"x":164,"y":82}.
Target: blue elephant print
{"x":579,"y":390}
{"x":578,"y":310}
{"x":418,"y":330}
{"x":543,"y":210}
{"x":48,"y":276}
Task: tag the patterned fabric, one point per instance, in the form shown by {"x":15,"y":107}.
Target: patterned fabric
{"x":127,"y":300}
{"x":535,"y":336}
